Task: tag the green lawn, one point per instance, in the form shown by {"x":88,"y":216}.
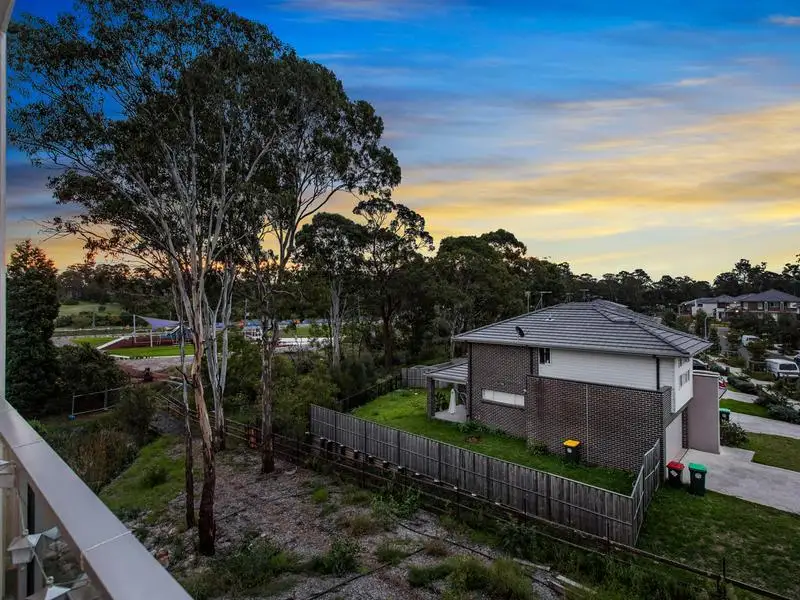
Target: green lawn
{"x":744,"y":408}
{"x":112,"y":308}
{"x":775,"y":450}
{"x":133,"y":491}
{"x":95,"y":341}
{"x":760,"y":545}
{"x":405,"y":409}
{"x":154,"y":351}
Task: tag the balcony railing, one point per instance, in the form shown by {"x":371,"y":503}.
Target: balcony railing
{"x":47,"y":493}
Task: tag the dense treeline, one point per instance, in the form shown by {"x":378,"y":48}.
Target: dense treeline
{"x":385,"y":293}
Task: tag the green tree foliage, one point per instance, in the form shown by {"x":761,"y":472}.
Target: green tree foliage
{"x":713,"y":337}
{"x":757,"y":350}
{"x":32,"y":368}
{"x":395,"y":235}
{"x":700,"y":323}
{"x":85,"y":370}
{"x":734,"y":341}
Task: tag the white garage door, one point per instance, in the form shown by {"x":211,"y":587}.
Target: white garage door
{"x":674,"y":439}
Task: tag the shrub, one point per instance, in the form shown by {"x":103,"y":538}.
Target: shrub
{"x":731,"y":434}
{"x":154,"y":476}
{"x":435,"y":547}
{"x":536,"y":448}
{"x":341,"y":559}
{"x":784,"y":412}
{"x":425,"y":576}
{"x":320,"y":495}
{"x":354,"y":496}
{"x":393,"y":551}
{"x":360,"y":525}
{"x":134,"y":413}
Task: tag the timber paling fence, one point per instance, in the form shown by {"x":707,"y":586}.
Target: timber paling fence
{"x":585,"y":507}
{"x":447,"y":499}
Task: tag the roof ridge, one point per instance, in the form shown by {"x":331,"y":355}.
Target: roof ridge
{"x":506,"y":320}
{"x":654,"y":331}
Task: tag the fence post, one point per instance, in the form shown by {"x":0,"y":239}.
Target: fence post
{"x":439,"y":453}
{"x":105,"y":399}
{"x":397,"y":444}
{"x":72,"y":412}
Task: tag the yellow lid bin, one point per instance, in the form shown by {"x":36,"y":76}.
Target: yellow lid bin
{"x":572,"y":451}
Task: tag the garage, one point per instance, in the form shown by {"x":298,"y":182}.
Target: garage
{"x":674,"y":439}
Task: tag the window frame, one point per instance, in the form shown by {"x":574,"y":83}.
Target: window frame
{"x":544,"y":356}
{"x":503,"y":398}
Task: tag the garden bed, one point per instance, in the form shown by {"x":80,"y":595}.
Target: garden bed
{"x":407,"y":410}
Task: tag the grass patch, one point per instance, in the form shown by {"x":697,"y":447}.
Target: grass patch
{"x":761,"y":545}
{"x":744,"y":408}
{"x":360,"y":525}
{"x":320,"y":495}
{"x":774,"y":450}
{"x":149,"y":483}
{"x":406,"y":409}
{"x":354,"y":496}
{"x":251,"y":569}
{"x":500,"y":579}
{"x":394,"y":551}
{"x":67,"y":310}
{"x":155,"y":351}
{"x":435,"y":547}
{"x":95,"y":341}
{"x":341,"y":559}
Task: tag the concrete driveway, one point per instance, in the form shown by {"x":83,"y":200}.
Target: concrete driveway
{"x":762,"y":425}
{"x":731,"y":472}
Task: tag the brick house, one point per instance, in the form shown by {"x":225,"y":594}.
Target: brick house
{"x":593,"y":371}
{"x":771,"y":302}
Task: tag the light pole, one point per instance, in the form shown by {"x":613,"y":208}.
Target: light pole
{"x":705,"y":327}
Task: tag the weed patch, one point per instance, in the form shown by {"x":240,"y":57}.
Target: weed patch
{"x":360,"y":525}
{"x":394,"y":551}
{"x":341,"y":559}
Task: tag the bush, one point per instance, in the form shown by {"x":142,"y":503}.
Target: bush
{"x":320,"y":495}
{"x":731,"y":434}
{"x":536,"y":448}
{"x":134,"y":413}
{"x":743,"y":385}
{"x":393,"y":551}
{"x":360,"y":525}
{"x":341,"y":559}
{"x":435,"y":547}
{"x":154,"y":476}
{"x":784,"y":412}
{"x":425,"y":576}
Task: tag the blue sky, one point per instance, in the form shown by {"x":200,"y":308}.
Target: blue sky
{"x":612,"y":135}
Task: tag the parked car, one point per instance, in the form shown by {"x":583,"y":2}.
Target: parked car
{"x":746,"y":339}
{"x":796,"y":359}
{"x":699,"y":364}
{"x":782,"y":368}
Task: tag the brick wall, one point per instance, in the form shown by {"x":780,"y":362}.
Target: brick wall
{"x":502,"y":369}
{"x":615,"y":425}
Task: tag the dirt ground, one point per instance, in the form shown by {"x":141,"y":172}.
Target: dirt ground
{"x":281,"y":508}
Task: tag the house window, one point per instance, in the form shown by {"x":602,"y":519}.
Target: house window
{"x":684,"y":378}
{"x":504,"y":398}
{"x":544,"y":356}
{"x":760,"y":306}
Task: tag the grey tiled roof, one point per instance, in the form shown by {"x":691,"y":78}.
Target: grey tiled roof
{"x":723,"y":298}
{"x":597,"y":325}
{"x":768,"y":296}
{"x":455,"y":373}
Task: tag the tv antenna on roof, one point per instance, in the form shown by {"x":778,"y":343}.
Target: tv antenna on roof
{"x":540,"y":303}
{"x":585,"y":294}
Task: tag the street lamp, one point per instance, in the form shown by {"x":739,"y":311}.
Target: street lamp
{"x":705,"y":327}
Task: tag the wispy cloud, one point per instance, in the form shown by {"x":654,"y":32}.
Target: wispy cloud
{"x":785,"y":20}
{"x":366,"y":10}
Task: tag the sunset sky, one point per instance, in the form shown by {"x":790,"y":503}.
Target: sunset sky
{"x":612,"y":135}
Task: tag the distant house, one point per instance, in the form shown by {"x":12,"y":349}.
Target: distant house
{"x":771,"y":302}
{"x":597,"y":372}
{"x":716,"y":307}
